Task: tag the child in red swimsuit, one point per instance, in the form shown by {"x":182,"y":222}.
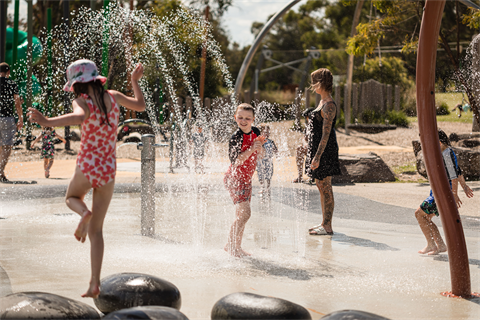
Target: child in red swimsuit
{"x":244,"y":147}
{"x":97,"y":110}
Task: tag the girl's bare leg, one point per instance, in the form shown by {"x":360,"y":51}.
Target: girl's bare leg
{"x":327,"y":200}
{"x":435,"y":242}
{"x":77,"y":189}
{"x":50,"y":164}
{"x":234,"y":244}
{"x":101,"y":200}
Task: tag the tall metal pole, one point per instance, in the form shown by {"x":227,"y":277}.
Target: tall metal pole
{"x":348,"y":94}
{"x":29,"y":52}
{"x":204,"y":58}
{"x":3,"y":30}
{"x":427,"y":123}
{"x":66,"y":35}
{"x":15,"y":36}
{"x":105,"y":39}
{"x":49,"y":62}
{"x":256,"y":44}
{"x":147,"y":219}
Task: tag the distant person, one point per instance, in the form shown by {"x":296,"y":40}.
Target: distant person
{"x":48,"y":136}
{"x":265,"y":163}
{"x":428,"y":208}
{"x":322,"y":157}
{"x":199,"y":140}
{"x":9,"y":103}
{"x":243,"y":149}
{"x":97,"y":110}
{"x":301,"y":151}
{"x":459,"y":109}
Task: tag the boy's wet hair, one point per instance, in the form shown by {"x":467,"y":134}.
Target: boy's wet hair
{"x":442,"y":136}
{"x":323,"y":78}
{"x":245,"y":106}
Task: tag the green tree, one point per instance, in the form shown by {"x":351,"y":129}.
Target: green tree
{"x":397,"y":23}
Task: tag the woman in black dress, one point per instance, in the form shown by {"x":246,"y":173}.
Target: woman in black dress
{"x":322,"y":158}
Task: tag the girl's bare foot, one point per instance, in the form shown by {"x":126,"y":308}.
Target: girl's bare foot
{"x":437,"y":250}
{"x":429,"y":249}
{"x":82,"y":229}
{"x":47,"y":174}
{"x":238,"y":252}
{"x":92,"y":292}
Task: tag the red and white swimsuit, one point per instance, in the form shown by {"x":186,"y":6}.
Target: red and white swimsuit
{"x":96,"y":158}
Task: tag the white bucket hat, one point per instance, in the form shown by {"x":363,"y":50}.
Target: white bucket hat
{"x":82,"y":71}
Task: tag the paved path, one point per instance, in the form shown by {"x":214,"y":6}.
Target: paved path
{"x":370,"y":263}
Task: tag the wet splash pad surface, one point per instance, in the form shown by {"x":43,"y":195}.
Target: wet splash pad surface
{"x":367,"y":265}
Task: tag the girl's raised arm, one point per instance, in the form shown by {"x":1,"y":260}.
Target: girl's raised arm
{"x":136,"y":103}
{"x":70,"y":119}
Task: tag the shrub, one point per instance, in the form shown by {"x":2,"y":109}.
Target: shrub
{"x":370,"y":116}
{"x":442,"y":110}
{"x":398,"y":118}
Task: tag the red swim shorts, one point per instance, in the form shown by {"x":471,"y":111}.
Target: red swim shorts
{"x":239,"y":190}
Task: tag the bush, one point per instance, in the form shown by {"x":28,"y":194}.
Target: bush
{"x":370,"y":116}
{"x":442,"y":110}
{"x":398,"y":118}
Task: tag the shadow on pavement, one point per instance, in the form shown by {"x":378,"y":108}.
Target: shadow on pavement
{"x":342,"y":238}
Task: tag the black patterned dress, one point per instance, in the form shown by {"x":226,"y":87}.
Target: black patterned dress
{"x":329,"y":163}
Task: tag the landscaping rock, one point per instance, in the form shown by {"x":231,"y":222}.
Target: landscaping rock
{"x":42,"y":305}
{"x":127,"y":290}
{"x":148,"y":313}
{"x":242,"y":305}
{"x":468,"y":159}
{"x":363,"y":168}
{"x":352,"y":315}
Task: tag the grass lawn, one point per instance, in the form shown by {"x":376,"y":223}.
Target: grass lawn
{"x":451,"y":99}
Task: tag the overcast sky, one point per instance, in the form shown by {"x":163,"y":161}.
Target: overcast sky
{"x":237,"y":20}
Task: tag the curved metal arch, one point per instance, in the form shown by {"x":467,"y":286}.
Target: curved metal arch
{"x":256,"y":44}
{"x":427,"y":123}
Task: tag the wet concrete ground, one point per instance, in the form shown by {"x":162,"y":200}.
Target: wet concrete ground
{"x":370,"y":263}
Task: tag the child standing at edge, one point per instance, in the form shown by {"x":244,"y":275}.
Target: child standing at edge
{"x":243,"y":148}
{"x":265,"y":164}
{"x":48,"y":147}
{"x":428,"y":208}
{"x":199,"y":141}
{"x":97,"y":110}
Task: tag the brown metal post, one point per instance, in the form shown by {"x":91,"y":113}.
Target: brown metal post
{"x":204,"y":58}
{"x":426,"y":59}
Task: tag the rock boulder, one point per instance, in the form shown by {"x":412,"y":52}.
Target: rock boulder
{"x":42,"y":305}
{"x":242,"y":305}
{"x":147,"y":313}
{"x":363,"y":168}
{"x":127,"y":290}
{"x":468,"y":158}
{"x":352,"y":314}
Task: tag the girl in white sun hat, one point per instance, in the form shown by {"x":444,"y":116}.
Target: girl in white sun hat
{"x":97,"y":111}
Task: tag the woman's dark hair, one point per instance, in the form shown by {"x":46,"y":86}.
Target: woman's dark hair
{"x":322,"y":77}
{"x":98,"y":91}
{"x":442,"y":136}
